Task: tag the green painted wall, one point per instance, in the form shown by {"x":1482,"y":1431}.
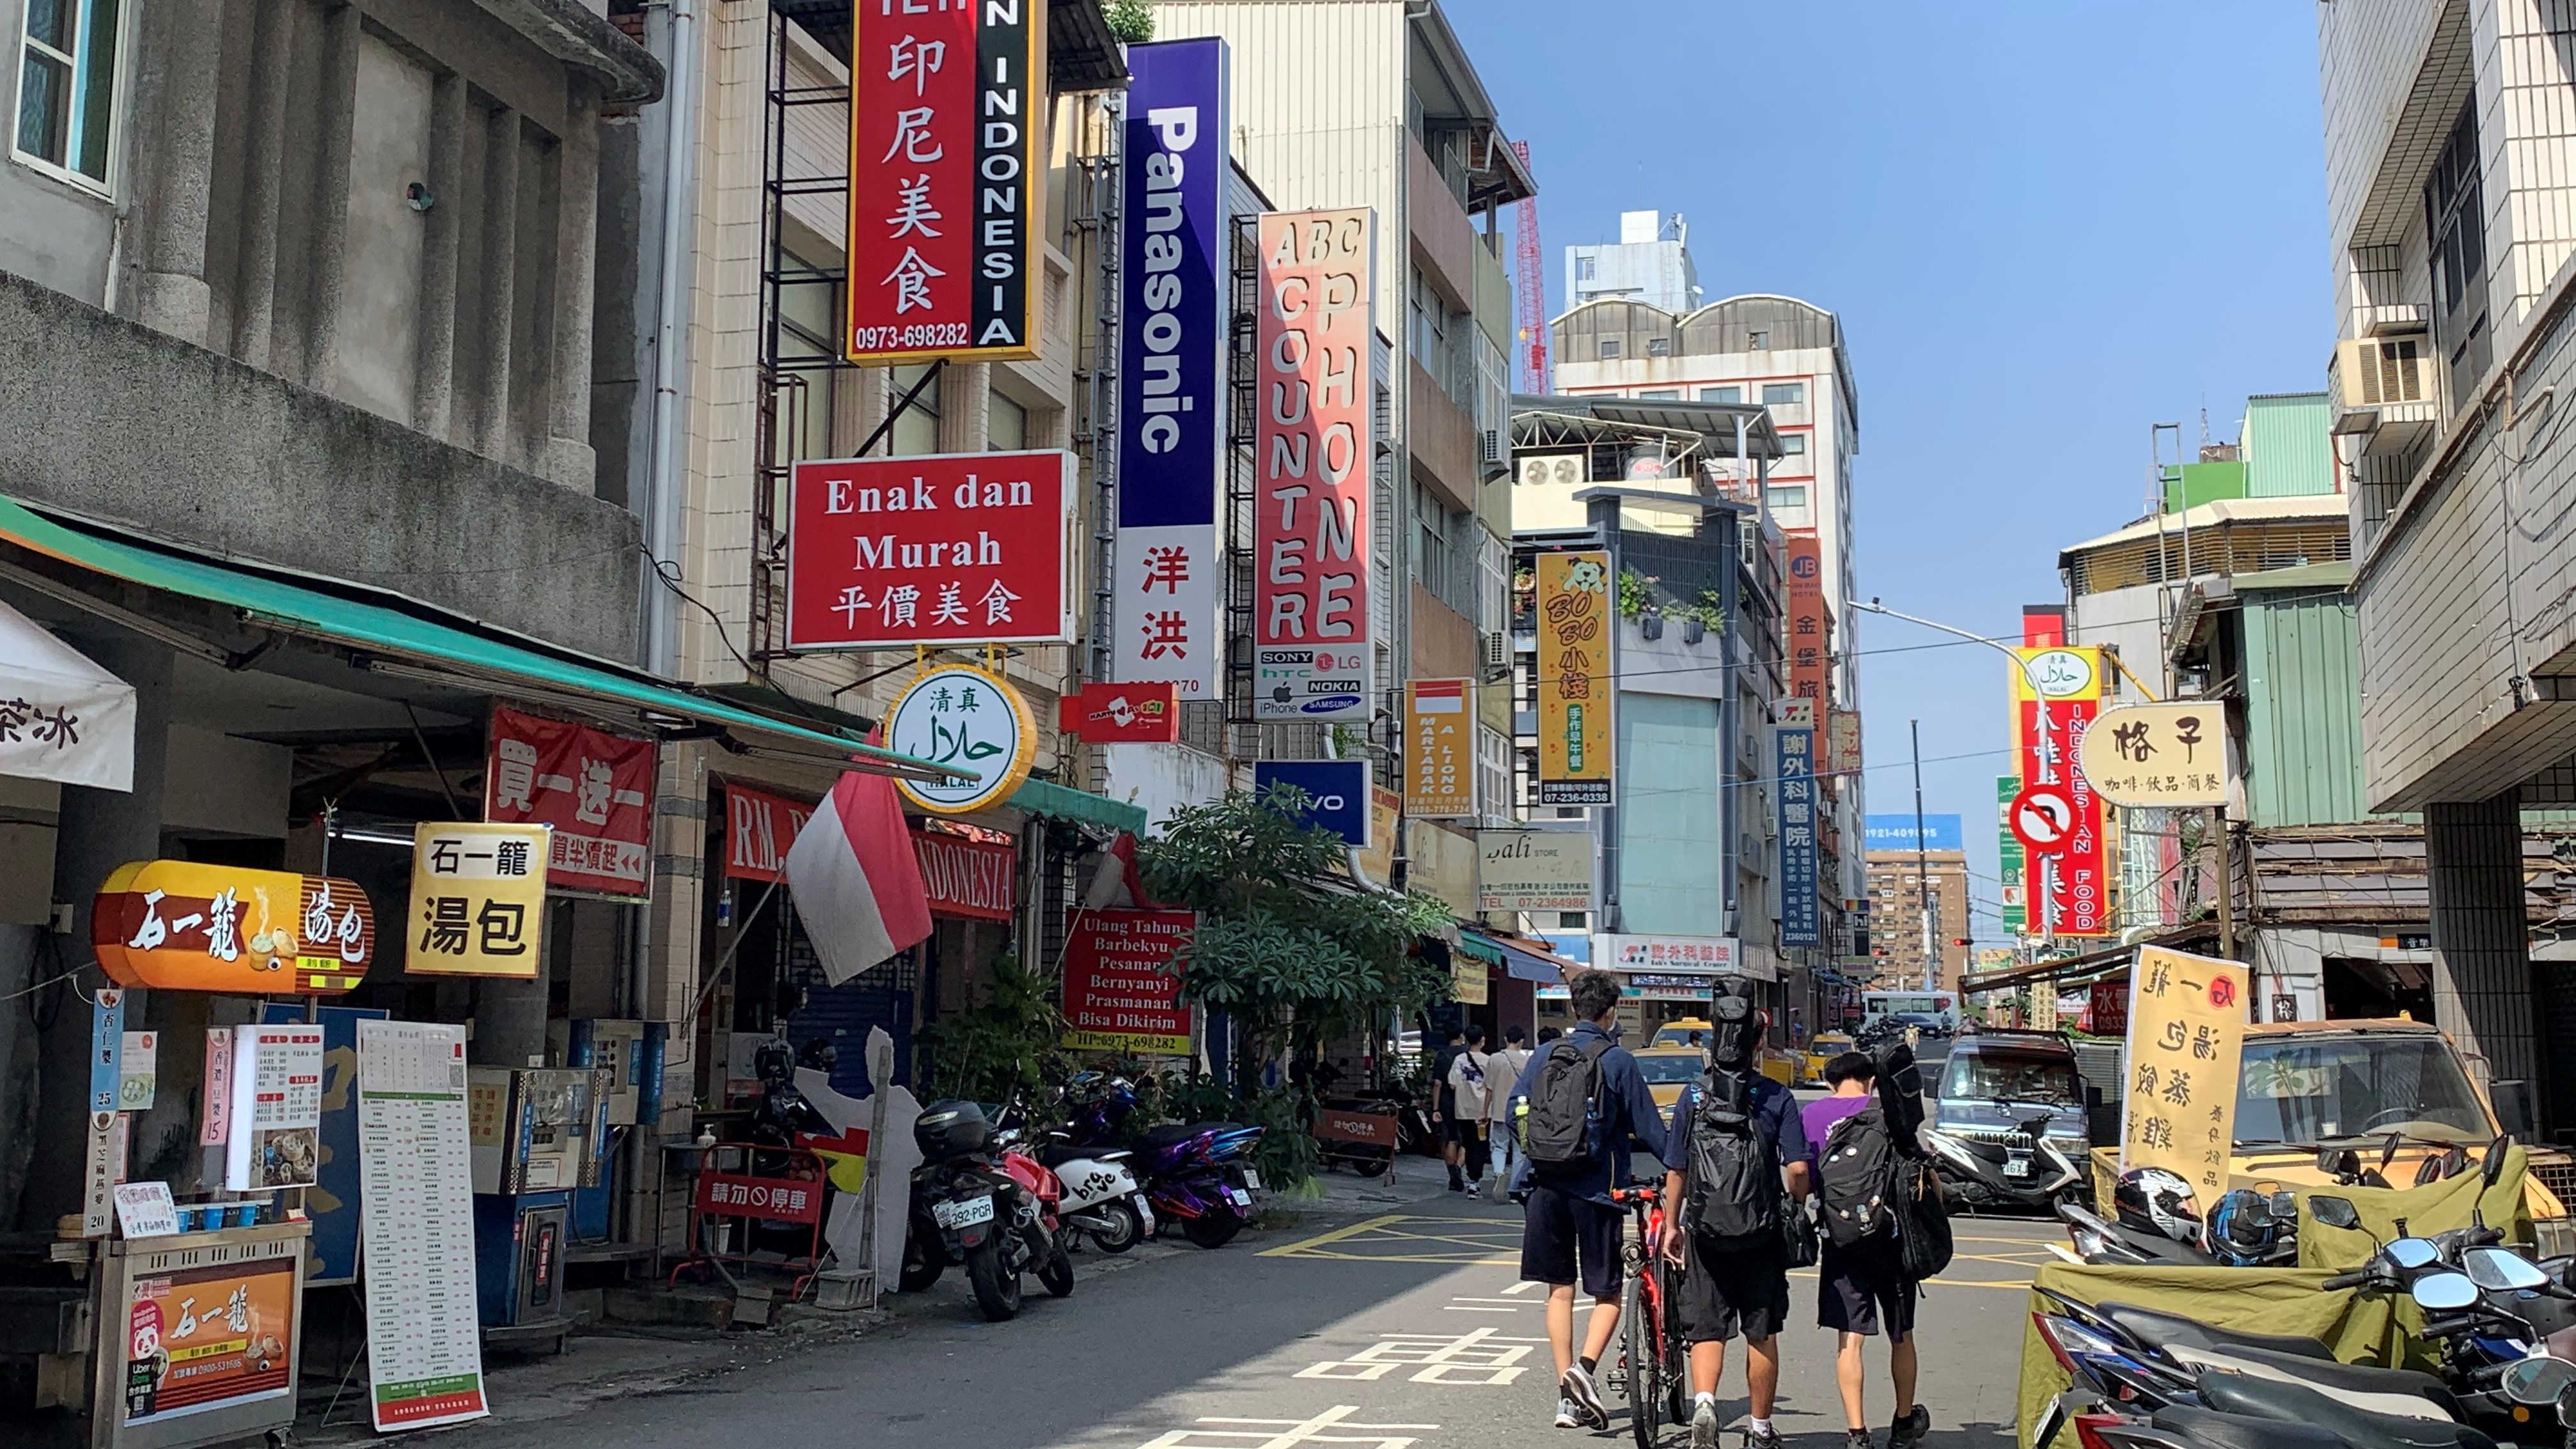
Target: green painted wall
{"x":2302,"y":707}
{"x":2288,"y":450}
{"x":2194,"y":484}
{"x":1670,"y":848}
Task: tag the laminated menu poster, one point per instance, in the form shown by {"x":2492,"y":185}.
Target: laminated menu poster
{"x":424,"y":1347}
{"x":276,"y":1110}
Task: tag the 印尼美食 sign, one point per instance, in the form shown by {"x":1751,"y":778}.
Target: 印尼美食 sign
{"x":1120,"y":993}
{"x":964,"y":548}
{"x":948,"y":102}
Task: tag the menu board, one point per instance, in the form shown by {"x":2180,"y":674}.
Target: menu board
{"x":424,"y":1347}
{"x":277,"y":1108}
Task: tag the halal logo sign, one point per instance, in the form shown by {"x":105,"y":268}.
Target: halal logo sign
{"x":966,"y":718}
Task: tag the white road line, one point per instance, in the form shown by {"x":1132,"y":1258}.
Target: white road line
{"x":1464,"y":1299}
{"x":1454,"y":1308}
{"x":1524,"y":1286}
{"x":1289,"y":1433}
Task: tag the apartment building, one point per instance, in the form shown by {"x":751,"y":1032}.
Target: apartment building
{"x":1901,"y":886}
{"x":2448,"y":149}
{"x":1645,"y":265}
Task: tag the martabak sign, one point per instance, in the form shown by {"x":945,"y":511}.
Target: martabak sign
{"x":1171,"y":370}
{"x":961,"y":548}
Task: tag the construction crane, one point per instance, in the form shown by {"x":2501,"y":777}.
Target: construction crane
{"x":1529,"y":290}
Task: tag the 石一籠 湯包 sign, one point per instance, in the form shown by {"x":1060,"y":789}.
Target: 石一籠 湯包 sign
{"x":186,"y":925}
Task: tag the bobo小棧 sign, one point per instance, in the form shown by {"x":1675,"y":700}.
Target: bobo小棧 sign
{"x":961,"y":716}
{"x":593,"y":787}
{"x":2158,"y":754}
{"x":1576,"y":714}
{"x":190,"y":926}
{"x":478,"y":899}
{"x":962,"y":548}
{"x":1120,"y":990}
{"x":948,"y":102}
{"x":1171,"y":369}
{"x":1312,"y":466}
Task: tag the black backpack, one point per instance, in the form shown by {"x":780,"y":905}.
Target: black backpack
{"x":1856,"y":1177}
{"x":1733,"y":1201}
{"x":1919,"y":1207}
{"x":1563,"y":1130}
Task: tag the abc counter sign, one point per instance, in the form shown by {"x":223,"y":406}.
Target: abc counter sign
{"x":961,"y":716}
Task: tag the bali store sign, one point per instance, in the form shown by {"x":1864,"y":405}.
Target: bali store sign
{"x":1311,"y":449}
{"x":947,"y":101}
{"x":593,"y":787}
{"x":189,"y":926}
{"x":966,"y":548}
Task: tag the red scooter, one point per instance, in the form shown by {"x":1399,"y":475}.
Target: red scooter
{"x":988,"y":1206}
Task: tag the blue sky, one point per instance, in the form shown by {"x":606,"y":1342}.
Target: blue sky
{"x":2044,"y":226}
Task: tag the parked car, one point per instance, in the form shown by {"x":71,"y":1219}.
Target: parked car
{"x":2009,"y":1111}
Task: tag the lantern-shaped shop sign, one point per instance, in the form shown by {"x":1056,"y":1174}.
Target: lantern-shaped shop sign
{"x":188,"y":926}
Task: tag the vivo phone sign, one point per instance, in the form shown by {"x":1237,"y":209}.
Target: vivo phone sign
{"x":1171,"y":367}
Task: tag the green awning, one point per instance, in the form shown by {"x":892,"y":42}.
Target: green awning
{"x":1063,"y":802}
{"x":472,"y":658}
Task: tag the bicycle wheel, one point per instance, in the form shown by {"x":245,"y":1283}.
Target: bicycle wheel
{"x":1645,"y":1364}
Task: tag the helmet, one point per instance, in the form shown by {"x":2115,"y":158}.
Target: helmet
{"x":2242,"y":1230}
{"x":2153,"y":1200}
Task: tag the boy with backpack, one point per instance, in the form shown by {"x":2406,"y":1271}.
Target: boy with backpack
{"x":1863,"y":1283}
{"x":1735,"y":1171}
{"x":1578,"y":1107}
{"x":1503,"y":1069}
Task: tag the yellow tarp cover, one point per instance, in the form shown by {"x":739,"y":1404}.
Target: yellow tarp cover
{"x":2359,"y":1327}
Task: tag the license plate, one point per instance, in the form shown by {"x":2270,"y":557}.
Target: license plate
{"x":963,"y":1213}
{"x":1252,"y":1179}
{"x":2017,"y":1162}
{"x":1241,"y":1198}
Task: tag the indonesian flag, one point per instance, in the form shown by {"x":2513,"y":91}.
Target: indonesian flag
{"x":1115,"y":881}
{"x":855,"y":878}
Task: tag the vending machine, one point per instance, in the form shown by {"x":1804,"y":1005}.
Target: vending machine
{"x":538,"y":1135}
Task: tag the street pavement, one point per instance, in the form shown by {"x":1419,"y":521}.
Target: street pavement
{"x":1402,"y":1327}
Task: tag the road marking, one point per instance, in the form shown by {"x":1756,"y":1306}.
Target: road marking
{"x":1289,"y":1433}
{"x":1493,"y":1360}
{"x":1526,"y":1285}
{"x":1463,"y":1299}
{"x":1454,"y":1308}
{"x":1335,"y":1236}
{"x":1467,"y":1242}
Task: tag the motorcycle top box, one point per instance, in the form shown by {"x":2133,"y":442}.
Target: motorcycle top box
{"x":949,"y":1130}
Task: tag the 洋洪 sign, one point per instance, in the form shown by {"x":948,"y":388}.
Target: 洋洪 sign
{"x":1121,"y":991}
{"x":1576,"y":714}
{"x":964,"y":548}
{"x":2158,"y":754}
{"x":2186,"y":1050}
{"x":959,"y":715}
{"x":1312,"y":466}
{"x":948,"y":102}
{"x":478,"y":899}
{"x":593,"y":787}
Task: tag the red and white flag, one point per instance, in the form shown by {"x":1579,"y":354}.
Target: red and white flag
{"x":855,"y":878}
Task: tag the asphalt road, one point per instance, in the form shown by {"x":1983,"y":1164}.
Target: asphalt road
{"x":1402,"y":1329}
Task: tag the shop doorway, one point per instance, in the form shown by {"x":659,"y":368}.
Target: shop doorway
{"x":2358,"y":988}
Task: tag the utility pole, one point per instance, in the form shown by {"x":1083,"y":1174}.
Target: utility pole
{"x":1922,"y":869}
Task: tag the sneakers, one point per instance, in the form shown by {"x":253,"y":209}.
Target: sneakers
{"x":1907,"y":1431}
{"x":1753,"y":1438}
{"x":1703,"y":1424}
{"x":1577,"y":1386}
{"x":1472,"y":1191}
{"x":1858,"y":1439}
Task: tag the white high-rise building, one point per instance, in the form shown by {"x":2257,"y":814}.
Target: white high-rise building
{"x":1644,"y":265}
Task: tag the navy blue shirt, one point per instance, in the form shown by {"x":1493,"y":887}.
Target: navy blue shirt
{"x":1773,"y":1107}
{"x":1633,"y":1117}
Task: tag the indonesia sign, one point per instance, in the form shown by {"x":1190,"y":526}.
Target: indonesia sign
{"x":956,"y":548}
{"x":1311,"y":516}
{"x":948,"y":101}
{"x":1171,"y":372}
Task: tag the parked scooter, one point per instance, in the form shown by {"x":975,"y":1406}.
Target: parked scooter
{"x":1200,"y":1175}
{"x":2027,"y":1169}
{"x":1102,"y":1199}
{"x":993,"y":1213}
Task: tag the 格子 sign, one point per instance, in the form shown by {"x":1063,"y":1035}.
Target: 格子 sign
{"x":961,"y":716}
{"x":2157,"y":754}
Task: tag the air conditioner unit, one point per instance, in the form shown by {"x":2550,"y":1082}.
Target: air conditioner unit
{"x":1497,"y":654}
{"x":2376,"y":372}
{"x":1491,"y":451}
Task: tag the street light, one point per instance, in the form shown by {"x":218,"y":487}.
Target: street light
{"x":1875,"y":607}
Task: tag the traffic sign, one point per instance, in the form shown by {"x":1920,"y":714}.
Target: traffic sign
{"x":2042,"y":816}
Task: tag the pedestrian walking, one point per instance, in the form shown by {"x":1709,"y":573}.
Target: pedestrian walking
{"x":1581,"y":1104}
{"x":1503,"y":1070}
{"x":1468,"y":1090}
{"x":1862,"y":1288}
{"x":1735,"y":1169}
{"x":1444,"y":1108}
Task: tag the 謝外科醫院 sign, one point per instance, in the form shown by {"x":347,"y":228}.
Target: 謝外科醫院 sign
{"x":1171,"y":376}
{"x":1534,"y":870}
{"x":1120,"y":993}
{"x":964,"y":548}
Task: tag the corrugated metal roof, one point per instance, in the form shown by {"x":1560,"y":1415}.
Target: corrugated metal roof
{"x":2302,"y":709}
{"x":2230,"y":510}
{"x":2289,"y":450}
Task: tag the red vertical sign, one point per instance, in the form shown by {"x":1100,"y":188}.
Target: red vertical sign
{"x":1810,"y":621}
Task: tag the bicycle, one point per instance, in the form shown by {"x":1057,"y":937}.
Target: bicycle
{"x":1656,"y":1364}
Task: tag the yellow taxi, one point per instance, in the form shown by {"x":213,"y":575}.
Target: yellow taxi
{"x":1668,"y":1069}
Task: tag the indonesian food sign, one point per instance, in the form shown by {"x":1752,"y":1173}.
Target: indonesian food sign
{"x":948,"y":103}
{"x":192,"y":926}
{"x":593,"y":787}
{"x":1439,"y":750}
{"x":2186,"y":1050}
{"x":974,"y":879}
{"x":2157,"y":754}
{"x":1171,"y":370}
{"x":478,"y":899}
{"x":961,"y":716}
{"x":963,"y":548}
{"x":1312,"y":460}
{"x":1575,"y":691}
{"x":1121,"y":990}
{"x":2056,"y":691}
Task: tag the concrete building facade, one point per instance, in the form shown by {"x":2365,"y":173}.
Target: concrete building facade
{"x":1896,"y":900}
{"x":1643,"y":265}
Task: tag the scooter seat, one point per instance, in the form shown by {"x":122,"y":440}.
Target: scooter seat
{"x":1057,"y":1154}
{"x":2358,"y":1378}
{"x":2214,"y":1430}
{"x":2158,"y":1330}
{"x":2290,"y":1403}
{"x":1169,"y":1134}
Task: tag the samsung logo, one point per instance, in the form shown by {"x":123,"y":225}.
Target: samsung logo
{"x":1328,"y":706}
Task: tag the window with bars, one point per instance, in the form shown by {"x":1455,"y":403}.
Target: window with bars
{"x":67,"y":88}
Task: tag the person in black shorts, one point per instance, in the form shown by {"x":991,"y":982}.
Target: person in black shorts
{"x":1862,"y":1288}
{"x":1444,"y":1109}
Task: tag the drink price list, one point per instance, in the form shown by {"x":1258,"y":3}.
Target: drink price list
{"x":424,"y":1350}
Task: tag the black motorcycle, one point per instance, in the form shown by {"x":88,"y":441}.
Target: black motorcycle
{"x":968,"y":1208}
